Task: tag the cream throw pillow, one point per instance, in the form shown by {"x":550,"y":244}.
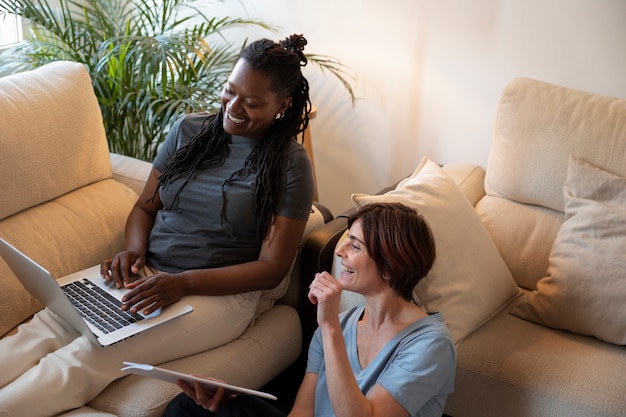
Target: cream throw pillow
{"x":585,"y":285}
{"x":469,"y":281}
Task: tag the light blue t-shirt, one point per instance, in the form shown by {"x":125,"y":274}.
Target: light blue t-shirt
{"x":213,"y":223}
{"x":417,"y":367}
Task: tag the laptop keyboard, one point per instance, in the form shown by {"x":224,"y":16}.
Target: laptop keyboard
{"x":99,"y":307}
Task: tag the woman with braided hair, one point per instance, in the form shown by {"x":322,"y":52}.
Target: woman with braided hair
{"x":219,"y":221}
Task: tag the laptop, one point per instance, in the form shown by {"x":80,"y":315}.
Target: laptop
{"x":82,"y":300}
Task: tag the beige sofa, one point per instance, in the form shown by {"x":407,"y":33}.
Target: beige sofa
{"x":65,"y":199}
{"x":531,"y":267}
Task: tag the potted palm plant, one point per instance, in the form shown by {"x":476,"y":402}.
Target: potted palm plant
{"x":150,"y":61}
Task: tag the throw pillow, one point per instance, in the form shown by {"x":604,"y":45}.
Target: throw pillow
{"x":585,"y":284}
{"x":469,"y":281}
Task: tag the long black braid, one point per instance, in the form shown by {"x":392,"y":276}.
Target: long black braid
{"x":281,"y":62}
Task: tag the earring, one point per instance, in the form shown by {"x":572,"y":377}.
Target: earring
{"x":279,"y":116}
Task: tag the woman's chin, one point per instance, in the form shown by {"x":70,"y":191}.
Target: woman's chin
{"x":345,"y":279}
{"x":231,"y":128}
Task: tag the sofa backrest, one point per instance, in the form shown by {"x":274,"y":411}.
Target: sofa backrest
{"x":52,"y":139}
{"x":59,"y":204}
{"x":538,"y":126}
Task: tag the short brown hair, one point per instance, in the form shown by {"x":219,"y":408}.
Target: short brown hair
{"x":399,"y":241}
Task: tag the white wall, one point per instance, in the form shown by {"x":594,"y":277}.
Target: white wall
{"x":430,"y":73}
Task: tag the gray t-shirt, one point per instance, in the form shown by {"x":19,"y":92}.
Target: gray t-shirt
{"x":213,"y":223}
{"x":417,"y":367}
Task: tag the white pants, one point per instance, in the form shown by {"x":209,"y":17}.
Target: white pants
{"x":47,"y":367}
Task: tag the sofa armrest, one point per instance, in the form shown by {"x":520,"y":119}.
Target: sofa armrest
{"x":319,"y":247}
{"x":317,"y":255}
{"x":325,"y":211}
{"x":130,"y":171}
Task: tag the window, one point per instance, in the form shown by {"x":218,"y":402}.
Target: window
{"x":10,"y":30}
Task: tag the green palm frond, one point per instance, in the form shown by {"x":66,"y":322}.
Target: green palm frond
{"x":337,"y":69}
{"x":150,"y":61}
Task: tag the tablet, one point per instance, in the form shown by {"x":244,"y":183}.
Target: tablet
{"x":172,"y":376}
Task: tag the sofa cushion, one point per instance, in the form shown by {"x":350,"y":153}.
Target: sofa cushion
{"x":469,"y":281}
{"x":85,"y":412}
{"x":53,"y":139}
{"x":537,"y":126}
{"x":70,"y":233}
{"x":523,"y":235}
{"x":515,"y":368}
{"x":585,"y":284}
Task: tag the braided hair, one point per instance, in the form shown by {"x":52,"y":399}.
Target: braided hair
{"x":281,"y":63}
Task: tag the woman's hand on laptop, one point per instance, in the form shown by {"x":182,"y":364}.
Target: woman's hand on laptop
{"x":123,"y":269}
{"x":151,"y":293}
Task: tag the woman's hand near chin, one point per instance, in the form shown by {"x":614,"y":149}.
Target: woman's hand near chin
{"x":325,"y":291}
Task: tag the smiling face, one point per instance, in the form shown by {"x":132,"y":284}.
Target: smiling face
{"x":248,"y":102}
{"x":359,"y":272}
